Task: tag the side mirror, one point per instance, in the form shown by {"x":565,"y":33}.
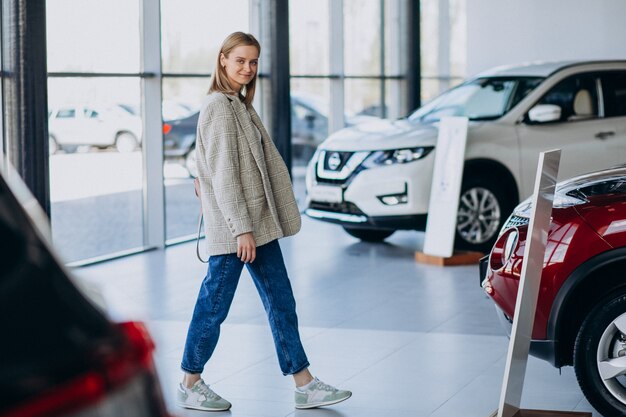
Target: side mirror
{"x":543,"y":113}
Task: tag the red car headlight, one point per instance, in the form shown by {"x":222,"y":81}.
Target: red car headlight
{"x":503,"y":249}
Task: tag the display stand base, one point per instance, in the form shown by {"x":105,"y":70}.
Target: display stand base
{"x":546,"y":413}
{"x":458,"y":258}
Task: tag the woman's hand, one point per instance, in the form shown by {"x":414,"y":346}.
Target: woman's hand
{"x":246,"y":247}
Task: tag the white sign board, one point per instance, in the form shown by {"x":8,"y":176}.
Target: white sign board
{"x":446,"y":186}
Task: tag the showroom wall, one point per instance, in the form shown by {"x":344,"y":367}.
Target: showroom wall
{"x":512,"y":31}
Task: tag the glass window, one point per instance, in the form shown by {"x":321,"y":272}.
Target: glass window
{"x":524,"y":86}
{"x":576,"y":96}
{"x":93,"y":35}
{"x":458,"y":38}
{"x":396,"y":98}
{"x":192,"y":32}
{"x":182,"y":98}
{"x":362,"y":37}
{"x":309,"y":117}
{"x":479,"y":99}
{"x":362,"y":97}
{"x":309,"y":37}
{"x":429,"y":44}
{"x":91,"y":114}
{"x":66,"y":114}
{"x":96,"y":176}
{"x":614,"y":91}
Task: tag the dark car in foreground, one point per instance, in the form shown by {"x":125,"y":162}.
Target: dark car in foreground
{"x":580,"y":318}
{"x":60,"y":355}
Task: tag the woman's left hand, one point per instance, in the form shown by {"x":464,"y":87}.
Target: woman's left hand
{"x":246,"y":247}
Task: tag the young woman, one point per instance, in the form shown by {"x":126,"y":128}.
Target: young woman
{"x":248,"y":204}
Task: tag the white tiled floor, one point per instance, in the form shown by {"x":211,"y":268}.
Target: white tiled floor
{"x":408,"y":339}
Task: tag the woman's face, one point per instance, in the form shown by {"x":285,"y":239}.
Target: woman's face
{"x":240,"y":65}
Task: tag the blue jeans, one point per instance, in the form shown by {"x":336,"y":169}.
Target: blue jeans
{"x":216,"y":295}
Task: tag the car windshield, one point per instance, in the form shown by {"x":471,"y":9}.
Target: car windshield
{"x":477,"y":99}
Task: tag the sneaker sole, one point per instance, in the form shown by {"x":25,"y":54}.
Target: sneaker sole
{"x":198,"y":407}
{"x":321,"y":404}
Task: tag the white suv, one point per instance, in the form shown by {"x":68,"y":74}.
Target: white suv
{"x":374,"y":179}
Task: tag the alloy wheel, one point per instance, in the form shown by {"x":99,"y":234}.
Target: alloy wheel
{"x":611,"y":358}
{"x":479,"y":215}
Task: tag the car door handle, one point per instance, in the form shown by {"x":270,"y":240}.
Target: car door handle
{"x":604,"y":135}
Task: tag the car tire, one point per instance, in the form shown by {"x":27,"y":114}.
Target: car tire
{"x":601,"y":336}
{"x":484,"y":205}
{"x":368,"y":235}
{"x":126,"y":142}
{"x":190,"y":163}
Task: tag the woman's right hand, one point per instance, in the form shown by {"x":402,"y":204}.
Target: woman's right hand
{"x":246,"y":247}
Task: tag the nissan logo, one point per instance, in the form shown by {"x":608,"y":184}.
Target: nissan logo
{"x":334,"y":160}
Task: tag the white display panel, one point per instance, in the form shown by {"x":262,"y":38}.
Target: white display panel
{"x":446,"y":186}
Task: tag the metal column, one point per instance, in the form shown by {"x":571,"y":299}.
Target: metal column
{"x":279,"y":77}
{"x":152,"y":144}
{"x":414,"y":71}
{"x":25,"y":93}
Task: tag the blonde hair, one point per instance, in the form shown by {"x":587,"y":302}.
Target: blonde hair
{"x":219,"y":79}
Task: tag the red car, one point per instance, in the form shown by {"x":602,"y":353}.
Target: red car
{"x":60,"y":354}
{"x":581,"y":310}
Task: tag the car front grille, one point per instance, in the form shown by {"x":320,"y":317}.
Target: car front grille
{"x":516,"y":221}
{"x":335,"y":167}
{"x":345,"y":207}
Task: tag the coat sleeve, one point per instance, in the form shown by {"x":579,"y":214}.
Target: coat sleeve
{"x":218,"y":132}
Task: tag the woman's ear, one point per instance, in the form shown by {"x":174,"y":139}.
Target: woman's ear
{"x":222,"y":59}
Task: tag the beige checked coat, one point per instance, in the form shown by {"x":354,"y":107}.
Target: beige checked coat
{"x":244,"y":182}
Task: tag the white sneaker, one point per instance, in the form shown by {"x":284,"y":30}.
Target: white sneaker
{"x":319,"y":394}
{"x":200,"y":397}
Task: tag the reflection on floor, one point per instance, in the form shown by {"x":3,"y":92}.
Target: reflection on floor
{"x":408,"y":339}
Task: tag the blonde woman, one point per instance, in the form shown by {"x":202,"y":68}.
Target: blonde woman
{"x":248,"y":204}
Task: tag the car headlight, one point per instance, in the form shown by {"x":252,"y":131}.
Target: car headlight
{"x":567,"y":200}
{"x":396,"y":156}
{"x":509,"y":245}
{"x":503,"y":249}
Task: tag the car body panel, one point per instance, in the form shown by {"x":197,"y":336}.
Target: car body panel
{"x":588,"y":221}
{"x":561,"y":258}
{"x":381,"y":135}
{"x":596,"y":215}
{"x":580,"y":151}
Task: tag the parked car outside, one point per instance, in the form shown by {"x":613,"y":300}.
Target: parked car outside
{"x":98,"y":125}
{"x":309,"y":127}
{"x":170,"y":110}
{"x":374,"y":179}
{"x":60,"y":354}
{"x":580,"y":318}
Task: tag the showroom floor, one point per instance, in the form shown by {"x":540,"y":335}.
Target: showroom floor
{"x":408,"y":339}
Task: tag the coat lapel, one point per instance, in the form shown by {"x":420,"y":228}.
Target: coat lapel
{"x":243,"y":118}
{"x":257,"y":122}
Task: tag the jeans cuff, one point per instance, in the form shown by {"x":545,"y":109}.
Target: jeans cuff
{"x":189,"y":371}
{"x":301,"y":368}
